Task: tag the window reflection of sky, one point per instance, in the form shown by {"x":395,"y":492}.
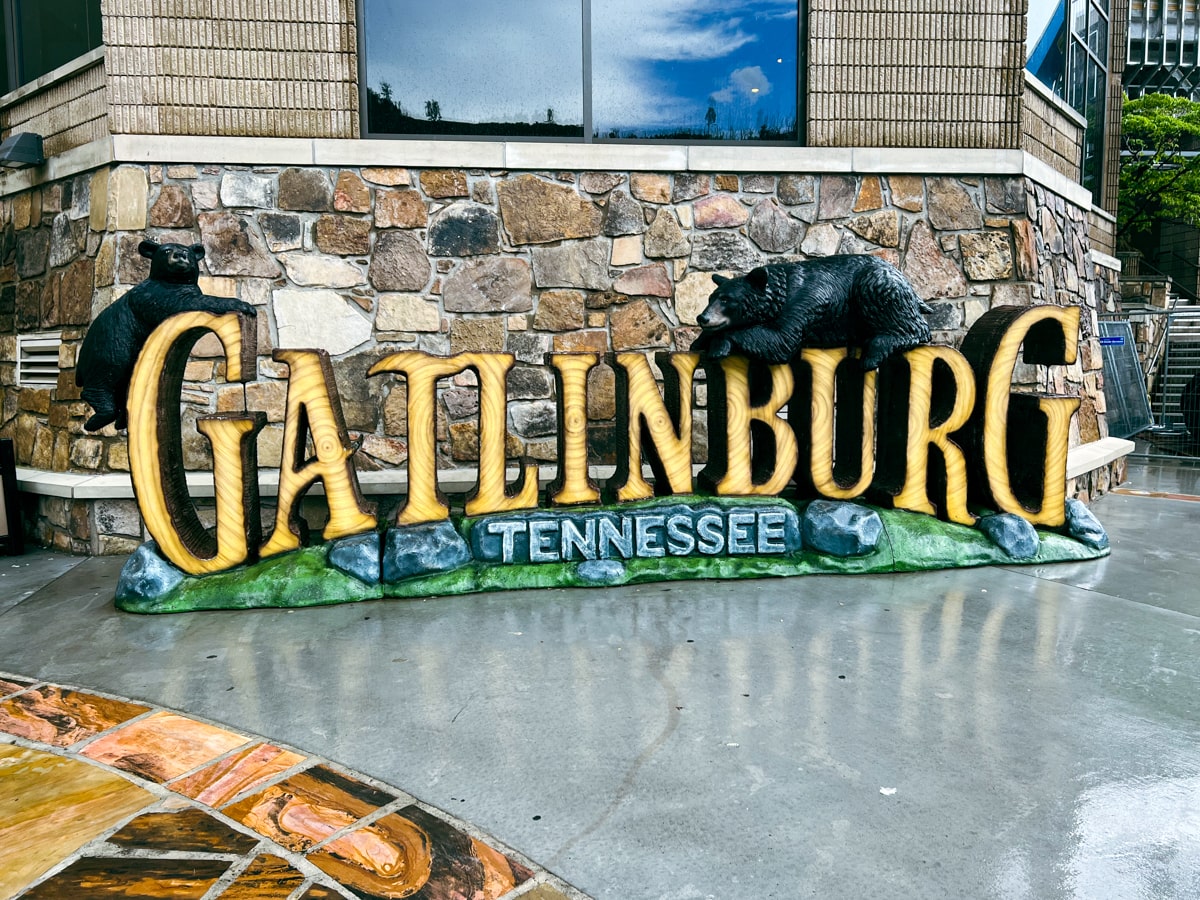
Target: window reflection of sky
{"x":656,"y":68}
{"x":661,"y":67}
{"x":482,"y":60}
{"x":1046,"y":42}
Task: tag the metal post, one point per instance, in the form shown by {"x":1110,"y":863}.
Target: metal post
{"x":1166,"y":366}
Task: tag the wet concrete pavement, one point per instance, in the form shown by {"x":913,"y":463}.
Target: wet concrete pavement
{"x":1009,"y":732}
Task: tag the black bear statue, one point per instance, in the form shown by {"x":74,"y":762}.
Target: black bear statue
{"x":115,"y":339}
{"x":773,"y":311}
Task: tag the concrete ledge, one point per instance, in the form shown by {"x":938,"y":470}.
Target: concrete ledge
{"x":146,"y":148}
{"x":1089,"y":457}
{"x":117,"y":486}
{"x":1104,"y":260}
{"x":136,"y":148}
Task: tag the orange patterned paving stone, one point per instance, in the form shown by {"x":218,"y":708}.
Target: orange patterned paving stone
{"x":50,"y":807}
{"x":12,"y":685}
{"x":62,"y":717}
{"x":162,"y":746}
{"x":411,"y":853}
{"x":308,"y":807}
{"x":267,"y":878}
{"x":188,"y":830}
{"x":219,"y":783}
{"x":99,"y":878}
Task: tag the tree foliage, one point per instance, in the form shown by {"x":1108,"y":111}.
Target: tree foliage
{"x":1160,"y":166}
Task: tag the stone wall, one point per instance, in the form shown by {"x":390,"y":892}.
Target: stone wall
{"x":368,"y":261}
{"x":288,"y":68}
{"x":67,"y":112}
{"x":928,"y":76}
{"x":1049,"y":133}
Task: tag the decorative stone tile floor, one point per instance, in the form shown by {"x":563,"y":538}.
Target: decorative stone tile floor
{"x":102,"y":797}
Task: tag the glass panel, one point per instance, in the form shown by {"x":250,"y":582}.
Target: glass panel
{"x":694,"y":69}
{"x":1077,"y":76}
{"x":1079,"y":18}
{"x":1098,"y":34}
{"x":474,"y":67}
{"x":7,"y":82}
{"x":1093,"y":139}
{"x":1046,"y":43}
{"x":51,"y":34}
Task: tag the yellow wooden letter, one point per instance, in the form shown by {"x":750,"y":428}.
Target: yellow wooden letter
{"x":235,"y":480}
{"x":747,"y":442}
{"x":824,"y":365}
{"x":313,"y":408}
{"x":156,"y":453}
{"x":1050,"y":336}
{"x":666,"y":425}
{"x":425,"y":502}
{"x":923,"y":433}
{"x":492,"y":493}
{"x":572,"y":486}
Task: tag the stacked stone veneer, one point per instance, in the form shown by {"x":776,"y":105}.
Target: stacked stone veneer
{"x":364,"y":262}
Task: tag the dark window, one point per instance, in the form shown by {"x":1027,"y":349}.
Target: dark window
{"x":41,"y":35}
{"x":591,"y":70}
{"x":1088,"y":62}
{"x":1067,"y":50}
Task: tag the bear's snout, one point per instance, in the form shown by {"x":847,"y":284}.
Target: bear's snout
{"x":713,"y":317}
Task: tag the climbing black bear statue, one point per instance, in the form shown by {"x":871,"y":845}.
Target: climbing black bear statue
{"x":773,"y":311}
{"x":115,"y":339}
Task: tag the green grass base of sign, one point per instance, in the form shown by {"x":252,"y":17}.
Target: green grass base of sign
{"x":910,"y":543}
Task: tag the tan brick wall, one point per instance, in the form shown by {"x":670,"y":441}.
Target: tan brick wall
{"x":287,"y":68}
{"x":1118,"y":50}
{"x":1050,"y":135}
{"x":68,"y":114}
{"x":1101,"y":231}
{"x":932,"y":77}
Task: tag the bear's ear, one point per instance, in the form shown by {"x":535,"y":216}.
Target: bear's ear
{"x":148,"y":249}
{"x":718,"y":278}
{"x":197,"y":250}
{"x":757,"y":278}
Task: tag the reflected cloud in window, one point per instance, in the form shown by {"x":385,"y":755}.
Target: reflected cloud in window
{"x":565,"y":69}
{"x":694,"y":69}
{"x":474,"y":67}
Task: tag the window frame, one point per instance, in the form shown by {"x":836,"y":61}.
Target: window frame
{"x":586,"y":138}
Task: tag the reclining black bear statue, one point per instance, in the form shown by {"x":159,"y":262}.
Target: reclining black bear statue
{"x":115,"y":339}
{"x":835,"y":301}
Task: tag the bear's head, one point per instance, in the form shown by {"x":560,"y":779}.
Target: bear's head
{"x":173,"y":262}
{"x":736,"y":303}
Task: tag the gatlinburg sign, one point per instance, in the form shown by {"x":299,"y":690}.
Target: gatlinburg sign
{"x":813,"y":466}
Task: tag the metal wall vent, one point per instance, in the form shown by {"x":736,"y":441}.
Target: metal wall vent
{"x":37,"y":359}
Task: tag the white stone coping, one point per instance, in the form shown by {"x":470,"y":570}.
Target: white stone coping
{"x":62,"y":165}
{"x":117,"y":486}
{"x":521,"y":155}
{"x":64,"y":72}
{"x":1103,"y":259}
{"x":1089,"y":457}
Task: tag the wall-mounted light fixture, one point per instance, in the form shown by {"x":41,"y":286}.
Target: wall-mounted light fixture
{"x":22,"y":149}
